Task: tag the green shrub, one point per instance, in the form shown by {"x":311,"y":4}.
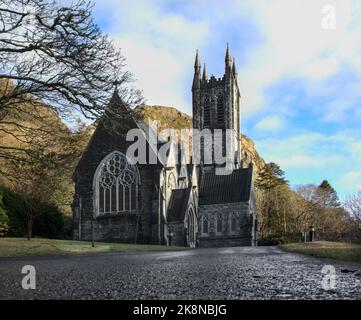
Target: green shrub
{"x":15,"y":207}
{"x":48,"y":222}
{"x":280,"y":238}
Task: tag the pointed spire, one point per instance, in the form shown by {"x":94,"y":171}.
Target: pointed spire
{"x":228,"y":59}
{"x":204,"y":78}
{"x":197,"y":64}
{"x":197,"y":71}
{"x":234,"y":69}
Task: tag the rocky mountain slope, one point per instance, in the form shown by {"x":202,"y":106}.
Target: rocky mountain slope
{"x":168,"y":117}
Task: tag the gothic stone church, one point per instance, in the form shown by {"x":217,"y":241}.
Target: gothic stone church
{"x":166,"y":202}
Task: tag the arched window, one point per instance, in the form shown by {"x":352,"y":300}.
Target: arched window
{"x":204,"y":224}
{"x":207,"y":112}
{"x":116,"y":185}
{"x":234,"y":222}
{"x":172,"y":183}
{"x":219,"y":223}
{"x":191,"y":227}
{"x":220,"y":110}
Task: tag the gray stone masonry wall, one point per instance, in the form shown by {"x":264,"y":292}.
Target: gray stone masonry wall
{"x":120,"y":227}
{"x":242,"y":237}
{"x":178,"y":238}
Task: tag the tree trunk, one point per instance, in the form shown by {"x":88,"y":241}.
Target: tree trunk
{"x":30,"y":225}
{"x":268,"y":222}
{"x":284,"y":219}
{"x":277,"y":209}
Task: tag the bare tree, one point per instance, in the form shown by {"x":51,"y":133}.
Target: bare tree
{"x":57,"y":56}
{"x":45,"y":173}
{"x":319,"y":206}
{"x":353,"y":205}
{"x":305,"y":206}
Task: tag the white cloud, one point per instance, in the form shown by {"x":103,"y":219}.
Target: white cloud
{"x":159,"y":47}
{"x":306,"y":161}
{"x":318,"y":156}
{"x":160,"y":85}
{"x":355,"y":148}
{"x":336,"y":111}
{"x":295,"y":44}
{"x":290,"y":145}
{"x":270,"y":124}
{"x":353,"y":179}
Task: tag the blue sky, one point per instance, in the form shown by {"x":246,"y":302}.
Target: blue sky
{"x":300,"y":84}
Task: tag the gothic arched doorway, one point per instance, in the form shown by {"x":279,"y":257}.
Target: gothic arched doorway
{"x":192,"y":228}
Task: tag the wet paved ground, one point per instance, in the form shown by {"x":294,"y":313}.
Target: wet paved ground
{"x":223,"y":273}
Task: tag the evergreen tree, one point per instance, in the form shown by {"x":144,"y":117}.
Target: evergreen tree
{"x":271,"y":213}
{"x":326,"y":195}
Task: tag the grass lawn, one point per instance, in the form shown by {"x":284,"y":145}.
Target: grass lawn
{"x":15,"y":247}
{"x":325,"y":249}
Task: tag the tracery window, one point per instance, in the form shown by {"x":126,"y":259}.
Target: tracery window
{"x":220,"y":110}
{"x":205,"y":224}
{"x":234,"y":220}
{"x":116,"y":185}
{"x":219,"y":223}
{"x":207,"y":112}
{"x":183,"y":185}
{"x":172,"y":184}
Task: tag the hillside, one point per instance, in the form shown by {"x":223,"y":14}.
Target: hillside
{"x":168,"y":117}
{"x":33,"y":138}
{"x":249,"y":146}
{"x":21,"y":121}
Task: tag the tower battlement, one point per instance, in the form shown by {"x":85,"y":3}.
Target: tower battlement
{"x":212,"y":82}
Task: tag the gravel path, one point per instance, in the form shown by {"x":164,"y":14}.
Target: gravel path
{"x":217,"y":273}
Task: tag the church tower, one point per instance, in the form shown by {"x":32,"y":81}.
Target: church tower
{"x":216,"y":103}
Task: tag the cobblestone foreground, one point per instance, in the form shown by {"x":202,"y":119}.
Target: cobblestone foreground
{"x":219,"y":273}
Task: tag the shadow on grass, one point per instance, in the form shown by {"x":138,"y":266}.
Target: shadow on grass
{"x":17,"y":247}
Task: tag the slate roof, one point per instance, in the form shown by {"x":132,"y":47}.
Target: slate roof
{"x":235,"y":187}
{"x":178,"y":204}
